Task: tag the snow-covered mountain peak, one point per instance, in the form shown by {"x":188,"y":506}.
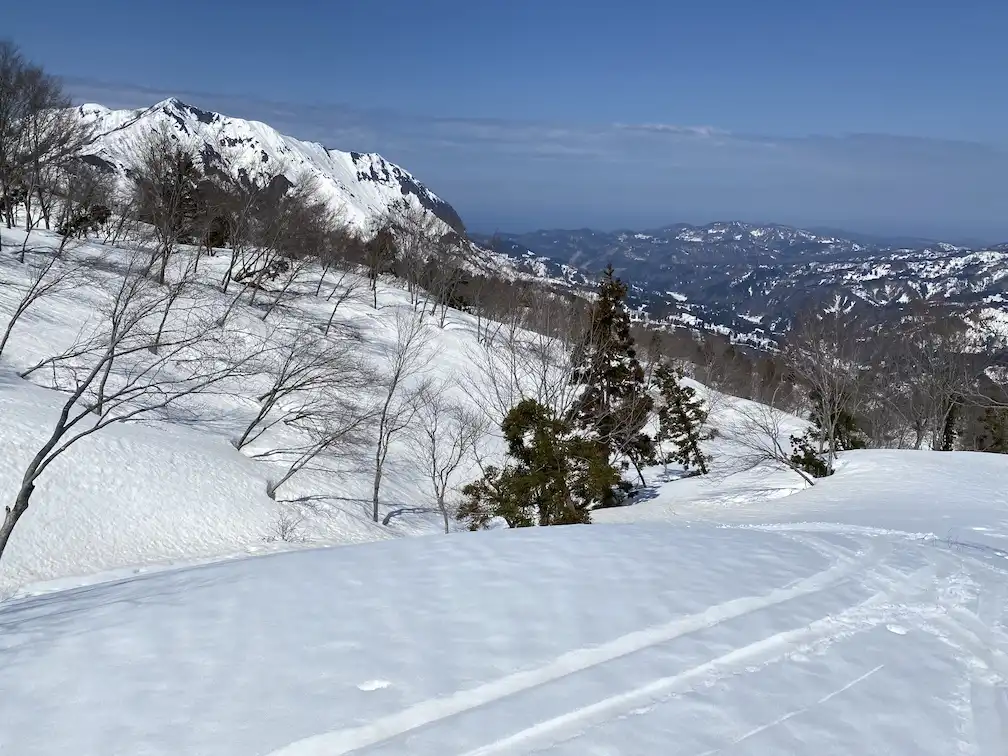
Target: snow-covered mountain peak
{"x":364,"y":185}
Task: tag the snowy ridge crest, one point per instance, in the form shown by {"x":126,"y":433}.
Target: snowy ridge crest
{"x":364,"y":185}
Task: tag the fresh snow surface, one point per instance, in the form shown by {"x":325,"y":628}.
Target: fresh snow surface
{"x":742,"y":613}
{"x":658,"y":638}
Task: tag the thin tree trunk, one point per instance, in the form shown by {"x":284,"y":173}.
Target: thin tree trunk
{"x":328,"y":324}
{"x":230,"y":270}
{"x":444,"y":511}
{"x":160,"y":331}
{"x":318,"y":289}
{"x":44,"y":207}
{"x":13,"y":514}
{"x":10,"y":327}
{"x":377,"y":484}
{"x":164,"y":267}
{"x":639,"y":473}
{"x":278,"y":297}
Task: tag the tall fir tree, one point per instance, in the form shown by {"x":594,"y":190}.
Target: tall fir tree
{"x":614,"y":405}
{"x":681,"y":417}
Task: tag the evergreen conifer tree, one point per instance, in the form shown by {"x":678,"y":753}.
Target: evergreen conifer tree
{"x":994,"y":437}
{"x":847,"y":432}
{"x":681,"y":417}
{"x":614,"y":405}
{"x":551,"y":476}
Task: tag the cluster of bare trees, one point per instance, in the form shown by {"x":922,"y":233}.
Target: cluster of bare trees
{"x":162,"y":342}
{"x":416,"y":247}
{"x":911,"y":381}
{"x":40,"y":138}
{"x":145,"y":354}
{"x":164,"y":337}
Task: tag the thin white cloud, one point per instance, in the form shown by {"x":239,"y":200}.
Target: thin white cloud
{"x":672,"y":128}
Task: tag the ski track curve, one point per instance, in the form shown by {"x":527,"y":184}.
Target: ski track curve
{"x":429,"y":712}
{"x":866,"y":615}
{"x":977,"y":635}
{"x":793,"y":713}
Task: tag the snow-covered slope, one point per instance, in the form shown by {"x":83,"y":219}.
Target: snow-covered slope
{"x":364,"y":184}
{"x":836,"y":637}
{"x":143,"y":494}
{"x":743,"y":612}
{"x":690,"y":276}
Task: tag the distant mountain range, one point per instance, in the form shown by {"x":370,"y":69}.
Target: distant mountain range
{"x":749,"y":280}
{"x":742,"y":279}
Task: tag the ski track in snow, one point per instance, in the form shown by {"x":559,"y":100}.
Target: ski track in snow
{"x":863,"y":616}
{"x":988,"y":694}
{"x":433,"y":711}
{"x":915,"y":598}
{"x":795,"y":712}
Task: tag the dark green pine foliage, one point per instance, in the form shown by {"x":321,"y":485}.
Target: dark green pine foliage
{"x":551,"y":477}
{"x":805,"y":457}
{"x":808,"y":449}
{"x":847,"y":433}
{"x":681,"y":418}
{"x":994,"y":436}
{"x":614,"y":404}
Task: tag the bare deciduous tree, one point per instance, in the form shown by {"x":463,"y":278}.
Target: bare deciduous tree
{"x":922,"y":367}
{"x":760,"y":438}
{"x":402,"y":367}
{"x":305,"y":373}
{"x":379,"y":254}
{"x":344,"y":289}
{"x":87,"y":198}
{"x":445,"y":275}
{"x":313,"y":230}
{"x":515,"y":362}
{"x":45,"y":277}
{"x":111,"y":376}
{"x":825,"y":354}
{"x":445,"y":432}
{"x":333,"y":430}
{"x":53,"y":136}
{"x":39,"y":133}
{"x":417,"y":233}
{"x":241,"y":203}
{"x":166,"y":184}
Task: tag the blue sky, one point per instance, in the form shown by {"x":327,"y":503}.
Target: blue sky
{"x":885,"y":116}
